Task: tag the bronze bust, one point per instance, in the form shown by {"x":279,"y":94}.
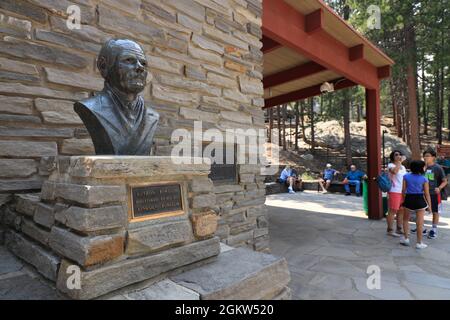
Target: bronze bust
{"x":117,"y":118}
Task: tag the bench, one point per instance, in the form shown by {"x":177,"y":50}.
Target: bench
{"x":443,"y":150}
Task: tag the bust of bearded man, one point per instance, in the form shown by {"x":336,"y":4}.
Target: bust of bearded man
{"x":117,"y":118}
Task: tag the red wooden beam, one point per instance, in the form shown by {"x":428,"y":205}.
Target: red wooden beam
{"x":356,"y":52}
{"x":314,"y":21}
{"x":285,"y":25}
{"x":384,"y":72}
{"x":373,"y":128}
{"x":269,"y":45}
{"x":305,"y":93}
{"x":295,"y":73}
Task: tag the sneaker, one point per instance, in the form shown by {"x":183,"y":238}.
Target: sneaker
{"x":393,"y":233}
{"x":347,"y":193}
{"x":421,"y":245}
{"x":404,"y":241}
{"x":424,"y":231}
{"x":291,"y":190}
{"x":432,"y":234}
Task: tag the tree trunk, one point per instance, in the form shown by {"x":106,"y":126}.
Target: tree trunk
{"x":448,"y":110}
{"x":438,"y":112}
{"x":270,"y":124}
{"x":414,"y":140}
{"x":347,"y":138}
{"x":296,"y":124}
{"x":441,"y":99}
{"x":284,"y":126}
{"x":424,"y":100}
{"x":279,"y":126}
{"x":302,"y":119}
{"x":311,"y":118}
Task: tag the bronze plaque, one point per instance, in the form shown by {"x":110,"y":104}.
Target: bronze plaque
{"x":156,"y":199}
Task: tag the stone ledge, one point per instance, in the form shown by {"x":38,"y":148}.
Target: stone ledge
{"x":109,"y":278}
{"x":133,"y":166}
{"x":238,"y":274}
{"x":45,"y":262}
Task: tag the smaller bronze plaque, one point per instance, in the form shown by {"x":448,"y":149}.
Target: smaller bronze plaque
{"x":156,"y":199}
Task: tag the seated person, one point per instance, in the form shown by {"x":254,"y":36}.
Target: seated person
{"x":327,"y":177}
{"x":289,"y":177}
{"x":445,"y":164}
{"x":354,"y":178}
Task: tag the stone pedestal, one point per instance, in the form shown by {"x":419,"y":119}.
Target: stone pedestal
{"x":88,"y":220}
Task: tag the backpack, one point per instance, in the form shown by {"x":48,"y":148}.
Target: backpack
{"x":384,"y":182}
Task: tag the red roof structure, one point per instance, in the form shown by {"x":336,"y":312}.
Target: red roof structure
{"x":305,"y":43}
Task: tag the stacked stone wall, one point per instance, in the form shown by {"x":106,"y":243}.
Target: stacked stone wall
{"x":205,"y":61}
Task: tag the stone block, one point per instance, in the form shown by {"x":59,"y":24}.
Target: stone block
{"x":134,"y":167}
{"x":108,"y":278}
{"x":251,"y":86}
{"x":204,"y":201}
{"x":15,"y":105}
{"x":12,"y":168}
{"x":201,"y":184}
{"x":238,"y":274}
{"x":204,"y":224}
{"x":207,"y":44}
{"x":262,"y":222}
{"x":204,"y":55}
{"x":189,"y":23}
{"x":174,"y":96}
{"x":157,"y":237}
{"x":44,"y":261}
{"x":11,"y":218}
{"x":155,"y":62}
{"x":130,"y":6}
{"x":164,"y":290}
{"x":89,"y":196}
{"x":16,"y":119}
{"x":260,"y":232}
{"x":53,"y":55}
{"x":4,"y":198}
{"x":35,"y":232}
{"x":93,"y":83}
{"x":14,"y":87}
{"x":77,"y":146}
{"x":246,"y":177}
{"x":95,"y":219}
{"x":119,"y":23}
{"x":188,"y":7}
{"x":221,"y":81}
{"x":36,"y":132}
{"x":86,"y":251}
{"x":20,"y":185}
{"x":12,"y":148}
{"x":26,"y":9}
{"x":235,"y":95}
{"x":66,"y":41}
{"x":195,"y":73}
{"x":240,"y":239}
{"x":44,"y":215}
{"x":158,"y":11}
{"x":195,"y":114}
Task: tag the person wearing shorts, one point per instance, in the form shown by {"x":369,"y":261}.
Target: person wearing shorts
{"x":395,"y":197}
{"x":327,"y":177}
{"x":416,"y":198}
{"x":438,"y":181}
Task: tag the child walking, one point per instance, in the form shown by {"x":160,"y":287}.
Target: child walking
{"x":416,"y":193}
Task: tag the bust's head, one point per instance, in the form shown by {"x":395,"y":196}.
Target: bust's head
{"x":123,"y":65}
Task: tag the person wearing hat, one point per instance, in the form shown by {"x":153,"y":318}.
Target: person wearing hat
{"x":327,"y":177}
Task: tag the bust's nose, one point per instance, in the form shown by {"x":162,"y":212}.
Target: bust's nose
{"x":139,"y":67}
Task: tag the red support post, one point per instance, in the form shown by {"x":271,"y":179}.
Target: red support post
{"x":373,"y":125}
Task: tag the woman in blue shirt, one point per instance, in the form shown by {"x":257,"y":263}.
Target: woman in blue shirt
{"x":416,"y":193}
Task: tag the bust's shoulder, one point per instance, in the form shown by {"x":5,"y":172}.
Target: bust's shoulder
{"x":95,"y":103}
{"x":151,"y":110}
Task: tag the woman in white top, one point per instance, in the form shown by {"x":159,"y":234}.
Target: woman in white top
{"x":396,"y":173}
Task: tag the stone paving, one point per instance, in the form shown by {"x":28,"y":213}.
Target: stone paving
{"x":329,"y":244}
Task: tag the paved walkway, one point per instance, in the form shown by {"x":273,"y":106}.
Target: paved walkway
{"x":329,"y":244}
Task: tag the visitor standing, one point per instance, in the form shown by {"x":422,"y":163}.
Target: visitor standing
{"x":396,"y":173}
